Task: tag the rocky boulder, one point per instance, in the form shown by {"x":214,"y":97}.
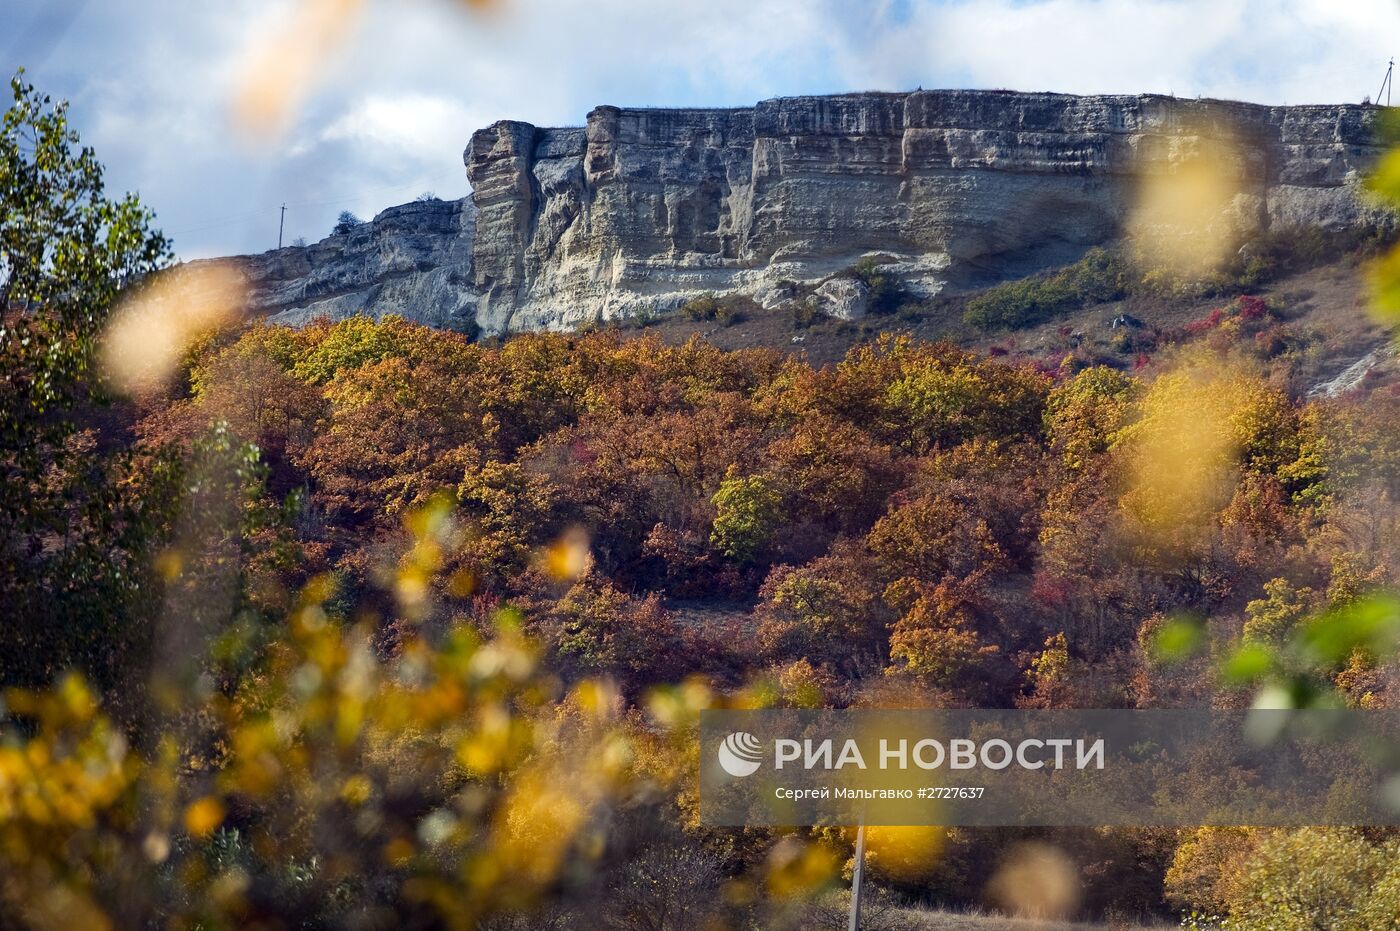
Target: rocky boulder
{"x":843,"y":298}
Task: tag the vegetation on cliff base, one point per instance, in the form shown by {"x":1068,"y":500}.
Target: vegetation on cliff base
{"x":1106,"y":274}
{"x":1100,"y":276}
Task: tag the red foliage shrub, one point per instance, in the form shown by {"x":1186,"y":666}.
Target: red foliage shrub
{"x":1250,"y":307}
{"x":1208,"y":322}
{"x":1269,"y":343}
{"x":1051,"y":591}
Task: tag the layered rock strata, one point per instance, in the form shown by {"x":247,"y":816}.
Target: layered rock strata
{"x":642,"y":209}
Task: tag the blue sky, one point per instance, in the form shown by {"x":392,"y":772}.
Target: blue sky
{"x":391,"y":110}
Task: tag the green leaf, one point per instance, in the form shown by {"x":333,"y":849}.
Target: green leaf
{"x":1371,"y":624}
{"x":1385,"y":180}
{"x":1179,"y":639}
{"x":1249,"y":663}
{"x":1385,"y":287}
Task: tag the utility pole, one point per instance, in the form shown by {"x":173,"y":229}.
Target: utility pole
{"x":1387,"y":85}
{"x":281,"y":223}
{"x":857,"y":877}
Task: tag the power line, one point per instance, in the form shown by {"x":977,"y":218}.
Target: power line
{"x":215,"y":224}
{"x":335,"y":201}
{"x":1387,"y":84}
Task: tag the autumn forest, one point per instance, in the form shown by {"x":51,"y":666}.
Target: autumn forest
{"x":309,"y":630}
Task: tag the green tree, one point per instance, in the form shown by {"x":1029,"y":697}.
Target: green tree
{"x":1272,"y":618}
{"x":344,"y":223}
{"x":71,"y":536}
{"x":1318,"y":878}
{"x":1084,"y":415}
{"x":1097,"y":277}
{"x":748,"y":511}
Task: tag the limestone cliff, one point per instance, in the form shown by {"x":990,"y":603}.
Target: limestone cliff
{"x":642,"y":209}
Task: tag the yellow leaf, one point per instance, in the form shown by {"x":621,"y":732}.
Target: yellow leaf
{"x":568,"y":558}
{"x":203,"y":816}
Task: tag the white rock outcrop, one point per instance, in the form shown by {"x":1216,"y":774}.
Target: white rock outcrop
{"x":643,"y":209}
{"x":843,"y":298}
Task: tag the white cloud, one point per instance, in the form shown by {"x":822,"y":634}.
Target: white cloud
{"x":1272,"y":52}
{"x":418,"y":125}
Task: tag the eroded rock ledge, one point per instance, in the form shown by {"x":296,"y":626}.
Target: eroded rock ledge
{"x":641,"y":209}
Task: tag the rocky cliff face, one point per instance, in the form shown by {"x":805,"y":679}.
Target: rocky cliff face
{"x":414,"y":260}
{"x":643,"y":209}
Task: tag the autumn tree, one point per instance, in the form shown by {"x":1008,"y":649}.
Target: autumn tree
{"x":1084,"y":415}
{"x":925,"y":395}
{"x":830,"y":612}
{"x":936,"y":638}
{"x":1271,"y":619}
{"x":250,"y":389}
{"x":603,"y":630}
{"x":511,"y":510}
{"x":397,"y":433}
{"x":934,"y":537}
{"x":840,"y":476}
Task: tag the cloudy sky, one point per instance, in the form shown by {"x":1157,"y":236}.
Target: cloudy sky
{"x":394,"y":102}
